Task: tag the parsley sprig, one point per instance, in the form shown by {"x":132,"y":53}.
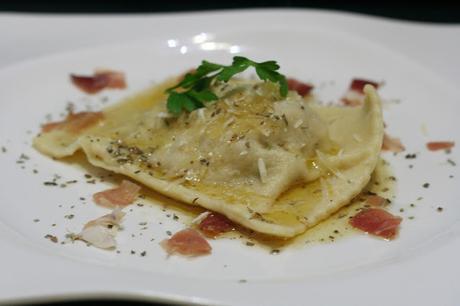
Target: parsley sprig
{"x":195,"y":87}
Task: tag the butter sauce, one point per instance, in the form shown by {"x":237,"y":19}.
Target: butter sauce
{"x":334,"y":228}
{"x":329,"y":230}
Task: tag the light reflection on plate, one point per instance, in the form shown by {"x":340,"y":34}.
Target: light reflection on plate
{"x":205,"y":42}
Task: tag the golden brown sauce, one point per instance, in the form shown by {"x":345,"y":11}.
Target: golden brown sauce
{"x":329,"y":230}
{"x":141,"y":101}
{"x":382,"y":183}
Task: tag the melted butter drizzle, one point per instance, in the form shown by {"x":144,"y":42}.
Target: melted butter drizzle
{"x":333,"y":228}
{"x":336,"y":227}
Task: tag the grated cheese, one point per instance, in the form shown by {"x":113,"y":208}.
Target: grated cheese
{"x":264,"y":132}
{"x":229,"y":121}
{"x":175,"y":183}
{"x":340,"y":153}
{"x":323,"y":159}
{"x":357,"y":138}
{"x":324,"y":190}
{"x":201,"y":217}
{"x":163,"y":115}
{"x":201,"y":115}
{"x":298,"y":123}
{"x":262,"y":170}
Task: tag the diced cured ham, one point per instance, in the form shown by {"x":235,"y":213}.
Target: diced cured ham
{"x":115,"y":79}
{"x":392,"y":144}
{"x":215,"y":224}
{"x":358,"y":85}
{"x":101,"y":232}
{"x":100,"y":80}
{"x":188,"y":242}
{"x":122,"y":195}
{"x":377,"y":222}
{"x":74,"y":122}
{"x":349,"y":102}
{"x":440,"y":145}
{"x":112,"y":219}
{"x":353,"y":98}
{"x":355,"y":94}
{"x":301,"y":88}
{"x":375,"y":200}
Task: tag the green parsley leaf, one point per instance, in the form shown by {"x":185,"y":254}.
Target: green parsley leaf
{"x":239,"y":65}
{"x":191,"y":78}
{"x":175,"y":102}
{"x":205,"y":95}
{"x":228,"y":72}
{"x":206,"y":68}
{"x":273,"y":76}
{"x":182,"y":101}
{"x":283,"y":85}
{"x":270,"y":65}
{"x":196,"y":84}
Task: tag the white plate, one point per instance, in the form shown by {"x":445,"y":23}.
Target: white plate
{"x":417,"y":268}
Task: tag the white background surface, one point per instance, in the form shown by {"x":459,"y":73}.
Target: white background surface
{"x":428,"y":279}
{"x":26,"y":36}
